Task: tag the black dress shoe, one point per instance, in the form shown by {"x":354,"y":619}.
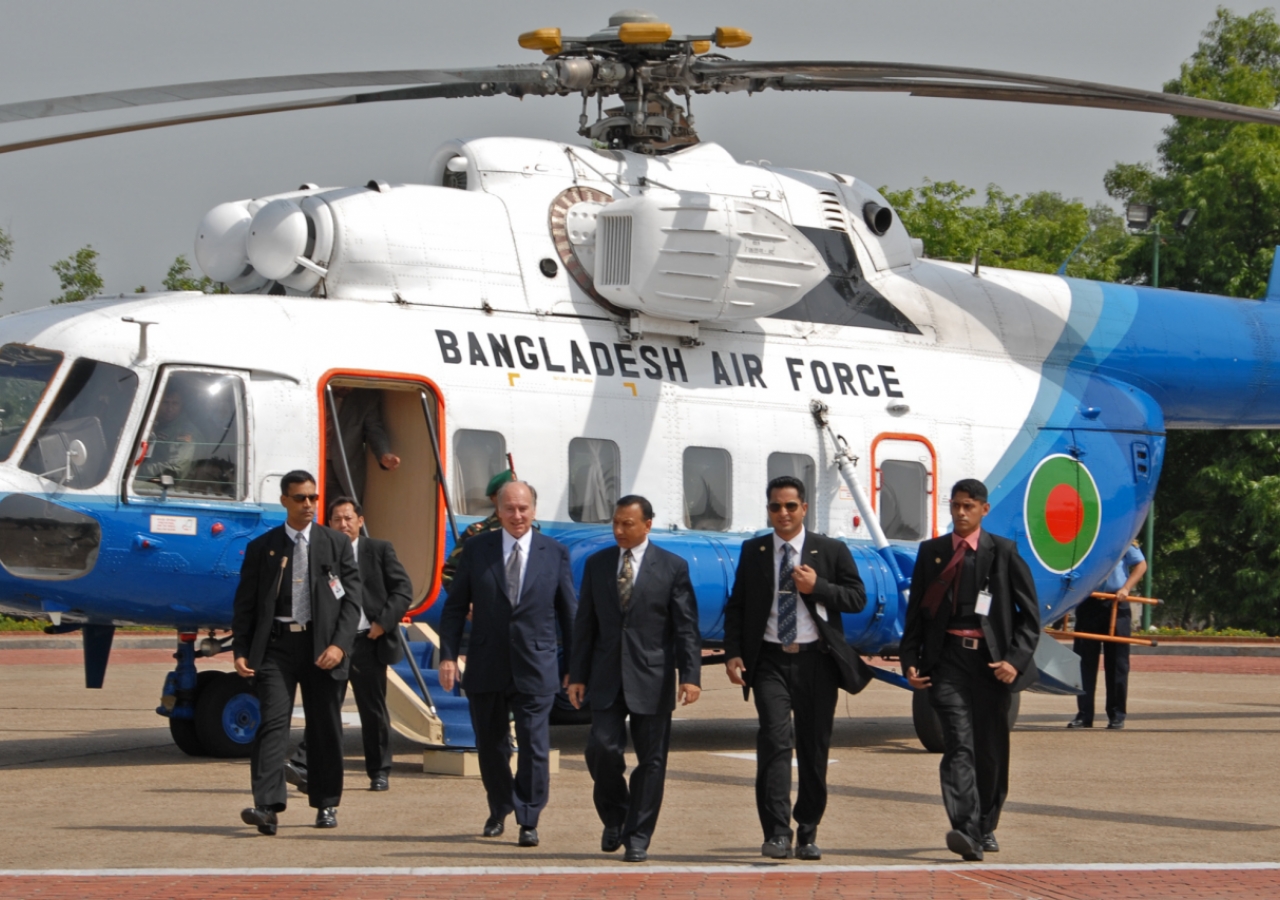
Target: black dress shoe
{"x":636,"y":854}
{"x":611,"y":839}
{"x":295,"y":776}
{"x":493,"y":827}
{"x":265,"y":819}
{"x":777,"y":847}
{"x":1115,"y":725}
{"x":528,"y":836}
{"x":961,"y":843}
{"x":327,"y":817}
{"x":1078,"y":722}
{"x":379,"y":783}
{"x":808,"y":851}
{"x":989,"y":843}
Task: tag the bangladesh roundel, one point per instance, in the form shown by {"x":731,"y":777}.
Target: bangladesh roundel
{"x":1063,"y":512}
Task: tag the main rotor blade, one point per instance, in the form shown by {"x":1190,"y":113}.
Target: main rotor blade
{"x":970,"y":84}
{"x":240,"y":87}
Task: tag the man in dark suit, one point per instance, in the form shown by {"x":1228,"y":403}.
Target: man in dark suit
{"x":294,"y":621}
{"x":360,"y":425}
{"x":637,"y":623}
{"x":784,"y":639}
{"x":518,"y":585}
{"x":971,"y":632}
{"x":387,"y":595}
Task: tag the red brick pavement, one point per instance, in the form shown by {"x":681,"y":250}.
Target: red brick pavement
{"x":882,"y":884}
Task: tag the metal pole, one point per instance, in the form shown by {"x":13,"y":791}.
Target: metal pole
{"x":435,"y":448}
{"x":417,"y":672}
{"x":1150,"y":554}
{"x":1155,"y":265}
{"x":337,"y":436}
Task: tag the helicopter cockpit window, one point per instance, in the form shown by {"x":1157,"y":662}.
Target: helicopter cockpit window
{"x":904,"y":500}
{"x":594,"y":470}
{"x":708,"y":489}
{"x":25,"y":372}
{"x":195,"y":440}
{"x":477,"y":457}
{"x":78,"y":438}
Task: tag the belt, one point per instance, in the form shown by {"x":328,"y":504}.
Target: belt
{"x":794,"y":647}
{"x":968,"y":643}
{"x":279,"y":628}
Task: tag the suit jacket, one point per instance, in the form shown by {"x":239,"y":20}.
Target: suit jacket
{"x":1013,"y":627}
{"x":839,"y":589}
{"x":387,"y":595}
{"x":333,"y":621}
{"x":360,"y":423}
{"x":510,"y":647}
{"x":636,"y":652}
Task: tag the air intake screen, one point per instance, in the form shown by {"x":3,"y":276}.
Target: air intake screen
{"x":613,"y":242}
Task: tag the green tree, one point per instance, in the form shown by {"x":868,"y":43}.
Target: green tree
{"x":181,"y":278}
{"x":1036,"y":233}
{"x":6,"y":253}
{"x":78,"y":276}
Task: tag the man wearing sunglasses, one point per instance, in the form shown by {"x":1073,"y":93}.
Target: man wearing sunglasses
{"x":783,"y":638}
{"x":294,"y":621}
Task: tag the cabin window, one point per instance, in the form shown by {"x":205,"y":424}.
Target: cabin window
{"x":708,"y":489}
{"x":904,"y":500}
{"x":595,"y":467}
{"x":25,"y":372}
{"x":477,"y":457}
{"x":797,"y":465}
{"x":91,"y":407}
{"x":195,"y":442}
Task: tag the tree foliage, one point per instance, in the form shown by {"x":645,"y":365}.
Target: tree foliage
{"x":78,"y":276}
{"x":181,"y":278}
{"x":1035,"y":233}
{"x":6,"y":253}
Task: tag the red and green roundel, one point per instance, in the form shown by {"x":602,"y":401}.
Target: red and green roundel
{"x":1063,"y":512}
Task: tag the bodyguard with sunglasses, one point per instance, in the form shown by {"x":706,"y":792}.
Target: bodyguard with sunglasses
{"x":294,"y":621}
{"x":784,"y":639}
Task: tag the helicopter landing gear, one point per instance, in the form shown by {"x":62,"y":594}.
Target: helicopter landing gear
{"x":210,"y":713}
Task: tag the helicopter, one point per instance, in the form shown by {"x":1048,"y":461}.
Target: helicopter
{"x":637,"y":312}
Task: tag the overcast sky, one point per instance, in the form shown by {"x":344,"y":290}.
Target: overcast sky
{"x":138,"y":198}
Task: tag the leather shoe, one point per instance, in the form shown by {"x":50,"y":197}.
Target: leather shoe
{"x":808,"y":851}
{"x":778,"y":847}
{"x":611,"y":839}
{"x":637,"y":854}
{"x":295,"y":776}
{"x":989,"y":843}
{"x":961,"y":843}
{"x":1115,"y":725}
{"x":265,"y":819}
{"x":493,"y":826}
{"x":327,"y":817}
{"x":379,"y":783}
{"x":1078,"y":722}
{"x":528,"y":836}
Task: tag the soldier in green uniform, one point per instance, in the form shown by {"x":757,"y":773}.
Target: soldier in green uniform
{"x":174,"y":443}
{"x":489,"y":524}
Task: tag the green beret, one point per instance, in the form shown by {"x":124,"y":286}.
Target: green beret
{"x":498,"y":481}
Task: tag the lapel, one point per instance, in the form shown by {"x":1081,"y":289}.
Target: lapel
{"x":495,"y":563}
{"x":809,"y":555}
{"x":986,"y":555}
{"x":536,"y":549}
{"x":610,"y":562}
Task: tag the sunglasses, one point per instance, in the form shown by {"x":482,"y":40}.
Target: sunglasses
{"x":789,"y":506}
{"x":303,"y":498}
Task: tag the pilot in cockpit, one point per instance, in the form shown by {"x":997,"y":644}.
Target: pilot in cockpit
{"x":175,"y":441}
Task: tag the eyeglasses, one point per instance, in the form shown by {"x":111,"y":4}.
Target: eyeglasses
{"x":303,"y":498}
{"x":789,"y":506}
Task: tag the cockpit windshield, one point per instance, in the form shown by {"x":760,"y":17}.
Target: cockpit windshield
{"x":25,"y":372}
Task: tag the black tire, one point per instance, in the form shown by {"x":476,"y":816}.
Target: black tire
{"x":928,"y":725}
{"x":227,"y":716}
{"x":183,"y":731}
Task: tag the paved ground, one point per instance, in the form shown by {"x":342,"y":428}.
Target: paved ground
{"x":91,"y":781}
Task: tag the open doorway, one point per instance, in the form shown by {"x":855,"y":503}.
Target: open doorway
{"x":378,"y":446}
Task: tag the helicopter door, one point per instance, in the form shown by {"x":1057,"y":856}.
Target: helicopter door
{"x":904,"y":486}
{"x":379,"y":446}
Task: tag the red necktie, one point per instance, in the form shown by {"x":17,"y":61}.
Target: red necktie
{"x":950,"y":575}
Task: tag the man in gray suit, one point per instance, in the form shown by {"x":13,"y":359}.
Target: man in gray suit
{"x":359,"y":425}
{"x":637,"y":623}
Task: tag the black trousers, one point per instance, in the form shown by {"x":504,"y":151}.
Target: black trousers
{"x":634,"y":810}
{"x":1115,"y":659}
{"x":974,"y":708}
{"x":803,"y":685}
{"x":289,"y":664}
{"x":526,"y":793}
{"x":369,"y":684}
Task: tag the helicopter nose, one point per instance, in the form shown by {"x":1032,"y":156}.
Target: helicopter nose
{"x":44,"y":540}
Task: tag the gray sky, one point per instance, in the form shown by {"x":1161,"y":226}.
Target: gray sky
{"x":138,"y":198}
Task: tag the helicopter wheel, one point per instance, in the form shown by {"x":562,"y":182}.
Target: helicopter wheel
{"x":183,"y":731}
{"x":227,"y":716}
{"x":929,"y":727}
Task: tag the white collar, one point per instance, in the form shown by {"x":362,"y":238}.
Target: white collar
{"x":508,"y":542}
{"x":293,"y":532}
{"x":796,"y":542}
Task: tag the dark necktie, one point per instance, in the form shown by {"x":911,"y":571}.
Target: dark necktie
{"x":787,"y":597}
{"x":949,"y":578}
{"x":626,"y":580}
{"x":513,"y":575}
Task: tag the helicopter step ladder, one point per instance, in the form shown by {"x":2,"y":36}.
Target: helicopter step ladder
{"x":422,"y":711}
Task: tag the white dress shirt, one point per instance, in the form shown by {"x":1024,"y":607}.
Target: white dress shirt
{"x":508,"y":545}
{"x":293,"y":539}
{"x":364,"y":620}
{"x":806,"y":631}
{"x":637,"y":557}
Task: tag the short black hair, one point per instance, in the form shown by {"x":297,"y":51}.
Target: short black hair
{"x":297,"y":476}
{"x":344,"y":500}
{"x":971,"y":486}
{"x":646,"y":508}
{"x":785,"y":481}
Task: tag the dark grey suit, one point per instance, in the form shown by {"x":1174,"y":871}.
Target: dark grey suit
{"x":628,"y":661}
{"x":359,"y":424}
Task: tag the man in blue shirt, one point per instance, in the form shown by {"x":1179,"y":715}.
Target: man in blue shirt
{"x":1094,"y":617}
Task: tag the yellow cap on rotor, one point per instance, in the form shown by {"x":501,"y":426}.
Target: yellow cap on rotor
{"x":644,"y":32}
{"x":544,"y":39}
{"x":732,"y":37}
{"x":701,"y":46}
